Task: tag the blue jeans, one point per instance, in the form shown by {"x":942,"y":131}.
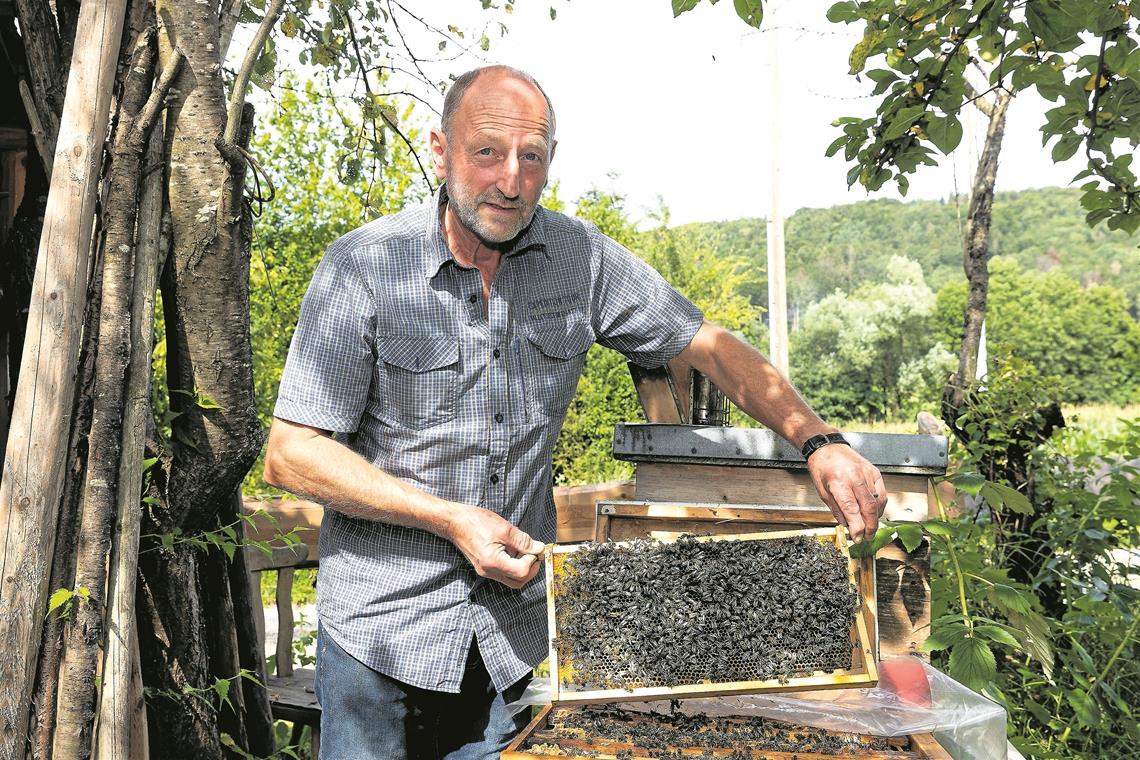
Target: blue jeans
{"x":365,"y":715}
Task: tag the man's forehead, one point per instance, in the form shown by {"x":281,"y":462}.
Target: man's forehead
{"x":503,"y":98}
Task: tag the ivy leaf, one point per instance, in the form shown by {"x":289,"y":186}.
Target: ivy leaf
{"x":972,"y":663}
{"x":750,"y":11}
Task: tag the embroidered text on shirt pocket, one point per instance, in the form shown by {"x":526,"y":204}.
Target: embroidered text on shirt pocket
{"x":554,"y":362}
{"x":422,"y":374}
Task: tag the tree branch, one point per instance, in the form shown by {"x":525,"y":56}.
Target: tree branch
{"x":155,"y":102}
{"x":241,"y":81}
{"x":978,"y":99}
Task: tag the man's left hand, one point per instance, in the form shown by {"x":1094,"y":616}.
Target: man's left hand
{"x":852,"y":488}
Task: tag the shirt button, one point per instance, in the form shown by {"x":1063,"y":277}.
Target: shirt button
{"x":494,"y":479}
{"x":498,"y":416}
{"x":495,"y":353}
{"x":473,"y":297}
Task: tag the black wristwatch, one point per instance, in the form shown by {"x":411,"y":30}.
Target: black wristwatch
{"x":816,"y":442}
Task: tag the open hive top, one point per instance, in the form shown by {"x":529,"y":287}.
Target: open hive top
{"x":608,"y":731}
{"x":769,"y":611}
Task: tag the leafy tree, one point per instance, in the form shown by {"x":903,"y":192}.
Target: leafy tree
{"x":1081,"y":340}
{"x":309,"y":146}
{"x":868,"y":354}
{"x":606,"y":395}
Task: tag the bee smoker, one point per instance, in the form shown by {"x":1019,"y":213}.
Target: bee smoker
{"x":709,"y":404}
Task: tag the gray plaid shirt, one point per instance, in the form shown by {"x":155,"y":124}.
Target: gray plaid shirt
{"x":392,"y":352}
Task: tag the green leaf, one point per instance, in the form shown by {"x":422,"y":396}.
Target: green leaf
{"x":554,"y":13}
{"x":205,"y":400}
{"x":972,"y":663}
{"x":222,"y":689}
{"x":1085,"y":706}
{"x":59,"y":598}
{"x":843,"y":13}
{"x":999,"y":495}
{"x":903,"y":121}
{"x":680,"y":6}
{"x":968,"y":482}
{"x":883,"y":536}
{"x":750,"y":11}
{"x":945,"y":133}
{"x":945,"y":634}
{"x":998,"y":635}
{"x":1066,"y":147}
{"x":836,"y":144}
{"x":1008,"y":599}
{"x":938,"y":528}
{"x":911,"y":536}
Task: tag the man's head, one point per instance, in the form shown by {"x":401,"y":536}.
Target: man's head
{"x":494,"y":148}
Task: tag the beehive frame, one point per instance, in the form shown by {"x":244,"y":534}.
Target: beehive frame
{"x":863,"y":671}
{"x":920,"y":747}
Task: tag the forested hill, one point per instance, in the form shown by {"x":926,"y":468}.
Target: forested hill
{"x":844,"y":246}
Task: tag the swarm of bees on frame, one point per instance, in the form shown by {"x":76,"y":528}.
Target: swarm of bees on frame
{"x":610,"y":731}
{"x":659,"y":614}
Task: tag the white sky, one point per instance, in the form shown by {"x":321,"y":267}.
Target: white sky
{"x":683,"y":108}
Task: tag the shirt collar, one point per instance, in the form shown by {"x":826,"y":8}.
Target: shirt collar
{"x":438,"y":254}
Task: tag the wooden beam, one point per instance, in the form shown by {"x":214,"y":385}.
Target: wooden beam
{"x":37,"y":441}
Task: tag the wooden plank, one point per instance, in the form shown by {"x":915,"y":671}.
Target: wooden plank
{"x":295,"y":693}
{"x":903,"y":584}
{"x":281,"y":556}
{"x":284,"y":602}
{"x":774,"y":487}
{"x":576,"y":507}
{"x":928,"y":747}
{"x":37,"y":439}
{"x":861,"y":673}
{"x":289,"y":513}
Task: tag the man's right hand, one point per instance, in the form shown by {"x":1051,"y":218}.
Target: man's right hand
{"x":494,"y":547}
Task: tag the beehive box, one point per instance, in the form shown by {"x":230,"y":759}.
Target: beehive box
{"x":587,"y":732}
{"x":663,"y":625}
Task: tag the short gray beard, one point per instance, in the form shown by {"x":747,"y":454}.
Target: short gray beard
{"x":467,"y":210}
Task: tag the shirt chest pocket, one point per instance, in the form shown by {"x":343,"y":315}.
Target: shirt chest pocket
{"x":552,"y":361}
{"x":421,"y":378}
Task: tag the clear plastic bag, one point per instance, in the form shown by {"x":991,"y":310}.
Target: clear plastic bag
{"x":912,"y":698}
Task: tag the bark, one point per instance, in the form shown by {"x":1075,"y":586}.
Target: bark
{"x":975,"y":258}
{"x":174,"y":662}
{"x":46,"y":66}
{"x":206,"y":290}
{"x":221,"y":639}
{"x":120,"y":731}
{"x":73,"y":734}
{"x":251,"y":651}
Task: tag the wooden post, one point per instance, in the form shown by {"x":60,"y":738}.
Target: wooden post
{"x":777,"y":281}
{"x":37,"y":440}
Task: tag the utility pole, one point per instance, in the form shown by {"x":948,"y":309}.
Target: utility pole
{"x":777,"y":287}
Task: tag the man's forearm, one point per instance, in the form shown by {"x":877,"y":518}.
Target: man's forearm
{"x":309,"y":463}
{"x":752,"y":383}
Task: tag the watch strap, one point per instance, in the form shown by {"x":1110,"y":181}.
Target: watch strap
{"x":816,"y":442}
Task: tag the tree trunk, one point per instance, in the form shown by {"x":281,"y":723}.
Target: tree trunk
{"x":33,"y":468}
{"x":46,"y":67}
{"x":216,"y":436}
{"x":975,"y":257}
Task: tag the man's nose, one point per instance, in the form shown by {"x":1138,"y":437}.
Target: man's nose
{"x":508,"y":183}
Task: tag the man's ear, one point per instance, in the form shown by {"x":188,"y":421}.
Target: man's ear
{"x":553,"y":147}
{"x":438,"y":144}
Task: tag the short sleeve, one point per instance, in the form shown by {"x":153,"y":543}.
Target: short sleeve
{"x":328,"y":371}
{"x":636,"y":312}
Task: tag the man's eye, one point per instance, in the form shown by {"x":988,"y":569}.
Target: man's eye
{"x":532,"y":157}
{"x":485,"y":152}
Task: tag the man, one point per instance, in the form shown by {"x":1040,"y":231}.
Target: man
{"x":443,"y":344}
